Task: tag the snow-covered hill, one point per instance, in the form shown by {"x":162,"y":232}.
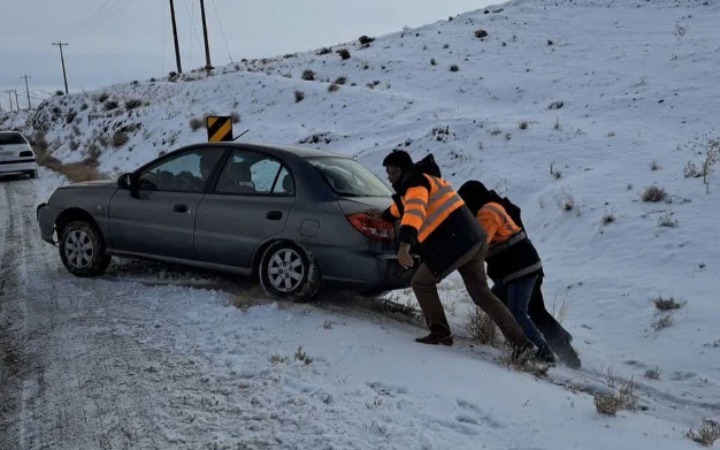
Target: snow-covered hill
{"x":583,"y":103}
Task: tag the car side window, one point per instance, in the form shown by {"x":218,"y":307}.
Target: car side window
{"x":249,"y":173}
{"x":185,"y":173}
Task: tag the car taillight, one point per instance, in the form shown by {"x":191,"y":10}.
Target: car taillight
{"x":378,"y":230}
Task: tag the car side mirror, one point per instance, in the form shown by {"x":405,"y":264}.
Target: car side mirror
{"x":125,"y":181}
{"x":128,"y":182}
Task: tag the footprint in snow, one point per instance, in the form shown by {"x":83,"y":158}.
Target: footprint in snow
{"x":475,"y":415}
{"x":387,"y":389}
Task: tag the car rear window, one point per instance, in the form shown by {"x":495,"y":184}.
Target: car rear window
{"x":349,"y":178}
{"x":12,"y":139}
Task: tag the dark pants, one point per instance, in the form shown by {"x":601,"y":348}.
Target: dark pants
{"x":554,"y":333}
{"x":472,"y":269}
{"x":517,"y":294}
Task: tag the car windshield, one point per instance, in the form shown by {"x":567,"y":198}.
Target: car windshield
{"x":349,"y":178}
{"x":11,"y":139}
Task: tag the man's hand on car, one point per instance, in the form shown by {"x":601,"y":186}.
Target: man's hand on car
{"x":404,"y":257}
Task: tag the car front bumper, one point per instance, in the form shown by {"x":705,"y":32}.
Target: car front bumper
{"x":46,"y":217}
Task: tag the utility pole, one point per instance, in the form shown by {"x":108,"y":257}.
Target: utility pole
{"x":27,"y":89}
{"x":177,"y":46}
{"x":9,"y":92}
{"x":17,"y":103}
{"x":208,"y":66}
{"x":62,"y":60}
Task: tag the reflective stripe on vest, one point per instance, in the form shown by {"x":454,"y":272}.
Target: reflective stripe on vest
{"x":442,"y":201}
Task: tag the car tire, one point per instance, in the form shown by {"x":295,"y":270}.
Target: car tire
{"x":82,"y":249}
{"x":33,"y":174}
{"x":288,"y":271}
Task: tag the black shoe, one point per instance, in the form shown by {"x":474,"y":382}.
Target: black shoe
{"x":522,"y":352}
{"x":435,"y":339}
{"x":545,"y":354}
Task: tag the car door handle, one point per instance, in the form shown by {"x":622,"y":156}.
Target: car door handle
{"x":274,"y":215}
{"x":180,"y":208}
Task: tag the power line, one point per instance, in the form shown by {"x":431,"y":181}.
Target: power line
{"x":192,"y":26}
{"x":113,"y":14}
{"x":94,"y":16}
{"x":222,"y":30}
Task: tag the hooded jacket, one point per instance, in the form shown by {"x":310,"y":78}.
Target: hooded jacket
{"x":511,"y":255}
{"x":433,"y":217}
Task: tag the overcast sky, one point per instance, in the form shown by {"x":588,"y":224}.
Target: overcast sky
{"x":120,"y":40}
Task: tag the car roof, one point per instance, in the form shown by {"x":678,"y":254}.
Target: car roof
{"x":10,"y":132}
{"x":282,"y":150}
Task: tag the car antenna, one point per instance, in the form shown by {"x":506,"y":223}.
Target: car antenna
{"x":240,"y":135}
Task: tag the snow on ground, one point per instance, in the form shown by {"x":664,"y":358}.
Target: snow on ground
{"x":636,"y":81}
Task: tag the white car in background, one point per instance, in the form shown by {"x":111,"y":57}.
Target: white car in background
{"x":16,"y":154}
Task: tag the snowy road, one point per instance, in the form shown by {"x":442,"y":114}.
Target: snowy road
{"x":102,"y":364}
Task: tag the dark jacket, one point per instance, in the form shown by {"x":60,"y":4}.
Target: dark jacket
{"x":452,"y":239}
{"x":511,"y":260}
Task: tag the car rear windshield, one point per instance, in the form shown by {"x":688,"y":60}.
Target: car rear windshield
{"x":12,"y":139}
{"x":349,"y":178}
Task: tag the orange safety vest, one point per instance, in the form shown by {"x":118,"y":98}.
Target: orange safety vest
{"x":496,"y":222}
{"x":424,"y":210}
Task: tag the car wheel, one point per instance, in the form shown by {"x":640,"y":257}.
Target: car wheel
{"x":289,"y":271}
{"x":82,"y":249}
{"x":33,"y":174}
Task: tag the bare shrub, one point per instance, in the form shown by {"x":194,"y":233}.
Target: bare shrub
{"x":364,"y":40}
{"x":454,"y":68}
{"x":327,"y":324}
{"x":667,"y":220}
{"x":691,"y":171}
{"x":707,"y":434}
{"x":611,"y":404}
{"x":655,"y":166}
{"x":278,"y":359}
{"x":654,"y":194}
{"x":557,"y":125}
{"x":93,"y":155}
{"x":70,"y":117}
{"x":481,"y":328}
{"x":84,"y":107}
{"x":110,"y":105}
{"x":568,"y":203}
{"x":78,"y":172}
{"x":481,"y":34}
{"x":333,"y":87}
{"x":300,"y":355}
{"x":662,"y":322}
{"x":74,"y":145}
{"x":133,"y":103}
{"x":608,"y":218}
{"x":119,"y":139}
{"x":607,"y":404}
{"x":299,"y":96}
{"x":341,"y":80}
{"x":495,"y":132}
{"x":235,"y":116}
{"x":196,"y":123}
{"x":324,"y":51}
{"x":344,"y":53}
{"x":653,"y":374}
{"x":668,"y":304}
{"x":523,"y":125}
{"x":308,"y":75}
{"x":556,"y":104}
{"x":104,"y":96}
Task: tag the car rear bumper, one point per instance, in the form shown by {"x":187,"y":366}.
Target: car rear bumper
{"x":7,"y":167}
{"x":361,"y":270}
{"x":46,"y":217}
